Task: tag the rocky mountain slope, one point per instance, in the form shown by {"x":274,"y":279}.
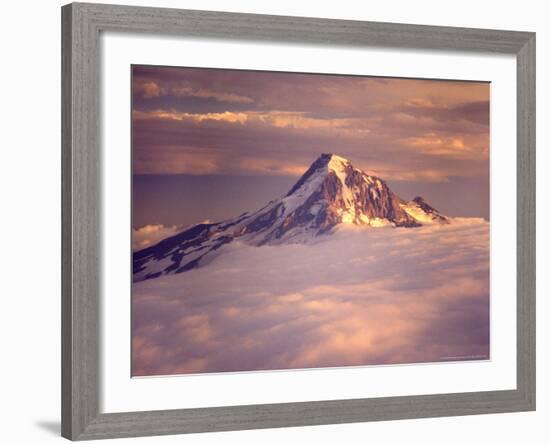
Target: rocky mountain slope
{"x":331,"y":192}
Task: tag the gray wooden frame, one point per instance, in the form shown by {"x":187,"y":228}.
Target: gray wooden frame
{"x":81,"y":26}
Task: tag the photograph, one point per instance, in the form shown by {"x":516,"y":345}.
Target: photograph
{"x":285,"y":221}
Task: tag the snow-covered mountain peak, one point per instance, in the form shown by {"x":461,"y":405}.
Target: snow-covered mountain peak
{"x":424,"y":213}
{"x":329,"y":162}
{"x":322,"y":167}
{"x":331,"y":192}
{"x":337,"y":163}
{"x":338,"y":192}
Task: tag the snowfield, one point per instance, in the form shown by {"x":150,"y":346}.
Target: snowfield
{"x":360,"y":296}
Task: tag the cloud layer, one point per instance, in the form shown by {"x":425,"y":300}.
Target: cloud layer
{"x":358,"y":297}
{"x":208,"y":121}
{"x":147,"y":235}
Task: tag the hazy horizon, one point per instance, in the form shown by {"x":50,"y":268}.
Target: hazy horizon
{"x":210,"y":196}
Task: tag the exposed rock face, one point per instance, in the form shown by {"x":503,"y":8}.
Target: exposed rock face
{"x":423,"y":213}
{"x":331,"y":192}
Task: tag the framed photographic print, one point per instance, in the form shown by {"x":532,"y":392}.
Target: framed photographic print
{"x":255,"y":248}
{"x":279,"y":221}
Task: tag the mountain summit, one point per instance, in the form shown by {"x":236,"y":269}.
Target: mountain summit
{"x":331,"y":192}
{"x":337,"y":192}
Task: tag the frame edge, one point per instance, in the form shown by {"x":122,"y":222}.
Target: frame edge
{"x":80,"y":187}
{"x":81,"y":420}
{"x":66,"y":223}
{"x":526,"y":221}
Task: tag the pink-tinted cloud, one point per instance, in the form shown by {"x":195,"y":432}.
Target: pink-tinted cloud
{"x":358,"y":297}
{"x":150,"y":234}
{"x":155,"y":88}
{"x":417,"y":129}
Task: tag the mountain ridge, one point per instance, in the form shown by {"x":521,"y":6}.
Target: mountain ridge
{"x":331,"y":192}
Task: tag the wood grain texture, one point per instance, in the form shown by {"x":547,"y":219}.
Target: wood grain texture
{"x":66,"y":224}
{"x":81,"y":231}
{"x":80,"y":220}
{"x":240,"y":26}
{"x":120,"y":425}
{"x":526,"y":221}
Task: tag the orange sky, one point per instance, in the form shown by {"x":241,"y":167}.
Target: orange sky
{"x":246,"y":123}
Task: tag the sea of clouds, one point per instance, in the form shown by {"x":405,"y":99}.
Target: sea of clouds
{"x":357,"y":297}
